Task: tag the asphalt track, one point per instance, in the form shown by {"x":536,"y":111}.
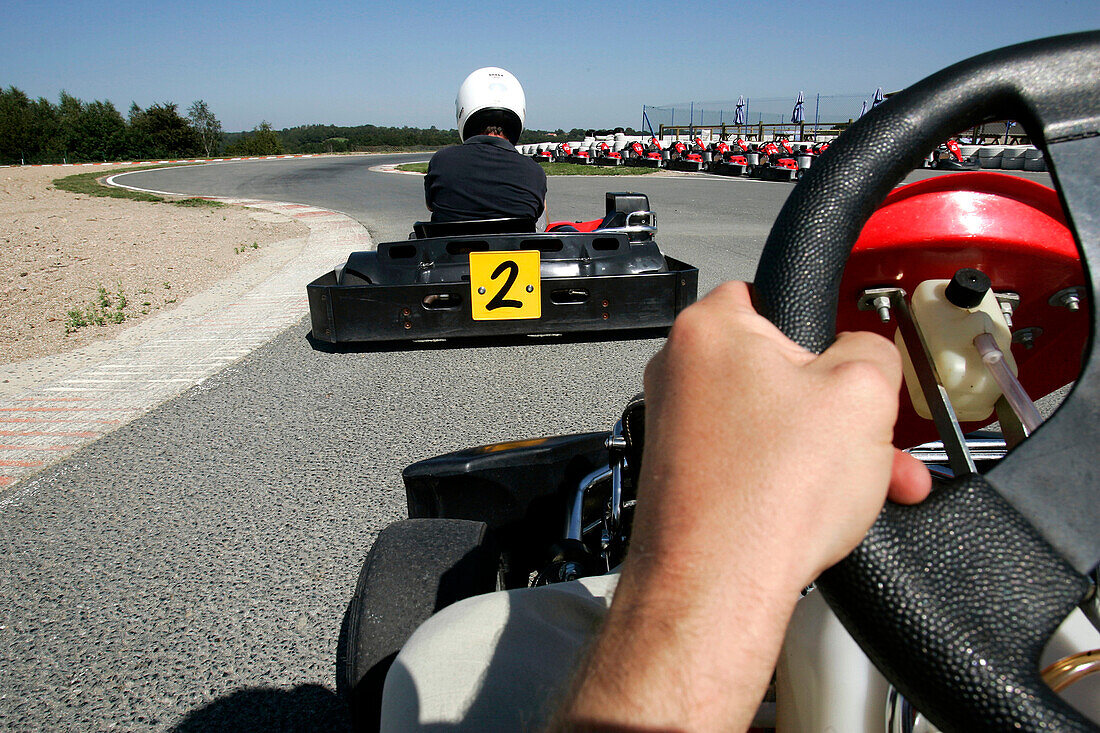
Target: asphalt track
{"x":189,"y":571}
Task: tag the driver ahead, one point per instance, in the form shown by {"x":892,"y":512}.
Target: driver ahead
{"x":486,"y":177}
{"x":764,"y":465}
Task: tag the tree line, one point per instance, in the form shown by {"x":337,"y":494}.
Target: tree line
{"x":372,"y":138}
{"x":74,"y":131}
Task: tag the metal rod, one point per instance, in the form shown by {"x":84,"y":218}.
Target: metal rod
{"x":573,"y":530}
{"x":619,"y":443}
{"x":939,"y":403}
{"x":1065,"y":672}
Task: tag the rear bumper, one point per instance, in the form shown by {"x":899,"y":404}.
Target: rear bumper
{"x":612,"y":303}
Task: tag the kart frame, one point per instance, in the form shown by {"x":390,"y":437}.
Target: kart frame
{"x":608,"y":280}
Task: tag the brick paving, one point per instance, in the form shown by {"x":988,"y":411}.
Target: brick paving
{"x":74,"y":405}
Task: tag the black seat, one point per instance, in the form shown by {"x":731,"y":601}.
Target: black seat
{"x":505,"y":225}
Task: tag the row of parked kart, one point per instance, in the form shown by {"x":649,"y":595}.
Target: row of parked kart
{"x":774,"y":160}
{"x":778,"y":160}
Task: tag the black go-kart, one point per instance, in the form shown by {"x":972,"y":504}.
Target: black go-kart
{"x":954,"y":599}
{"x":498,"y":277}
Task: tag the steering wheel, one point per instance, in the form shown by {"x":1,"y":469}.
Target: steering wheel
{"x":955,"y":598}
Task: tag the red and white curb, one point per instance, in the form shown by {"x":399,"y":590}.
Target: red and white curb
{"x":164,"y":356}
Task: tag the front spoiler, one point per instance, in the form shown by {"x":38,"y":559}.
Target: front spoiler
{"x":729,"y":169}
{"x":613,"y":303}
{"x":691,"y":166}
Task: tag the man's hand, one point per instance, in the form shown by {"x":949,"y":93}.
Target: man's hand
{"x":764,"y":464}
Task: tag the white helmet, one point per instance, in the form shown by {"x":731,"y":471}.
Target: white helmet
{"x":490,"y":96}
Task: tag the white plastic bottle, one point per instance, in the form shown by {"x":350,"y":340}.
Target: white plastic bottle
{"x":949,"y":329}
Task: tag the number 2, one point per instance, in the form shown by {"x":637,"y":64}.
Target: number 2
{"x":498,"y":300}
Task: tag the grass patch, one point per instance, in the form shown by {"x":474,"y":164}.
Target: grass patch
{"x":575,"y":169}
{"x":106,"y":308}
{"x":198,"y":203}
{"x":89,"y":184}
{"x":561,"y":169}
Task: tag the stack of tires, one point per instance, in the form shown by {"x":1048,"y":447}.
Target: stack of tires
{"x":1033,"y":160}
{"x":989,"y":156}
{"x":1012,"y":158}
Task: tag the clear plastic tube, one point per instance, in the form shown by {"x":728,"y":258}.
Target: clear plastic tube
{"x":1013,"y":391}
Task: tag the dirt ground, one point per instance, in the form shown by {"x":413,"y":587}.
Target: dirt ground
{"x":78,"y":268}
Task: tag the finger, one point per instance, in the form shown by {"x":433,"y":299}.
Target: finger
{"x":910,"y":482}
{"x":864,"y":346}
{"x":730,"y":296}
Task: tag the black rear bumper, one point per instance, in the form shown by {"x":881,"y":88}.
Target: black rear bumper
{"x":376,"y":312}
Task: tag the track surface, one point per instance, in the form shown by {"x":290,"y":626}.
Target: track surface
{"x":190,"y":570}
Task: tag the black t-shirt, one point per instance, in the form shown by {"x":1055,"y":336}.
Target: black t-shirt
{"x":484,"y":178}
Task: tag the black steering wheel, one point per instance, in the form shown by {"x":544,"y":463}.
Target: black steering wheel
{"x":955,"y":598}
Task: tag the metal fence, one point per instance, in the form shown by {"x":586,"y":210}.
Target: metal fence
{"x":770,"y":117}
{"x":759,"y":131}
{"x":819,"y":111}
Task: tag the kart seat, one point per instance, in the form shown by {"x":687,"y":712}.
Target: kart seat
{"x":612,"y":220}
{"x":504,"y":225}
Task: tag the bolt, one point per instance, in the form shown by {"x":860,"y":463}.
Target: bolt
{"x":1069,"y":298}
{"x":1006,"y":311}
{"x":605,"y":316}
{"x":408,"y":325}
{"x":530,"y":288}
{"x":1026,"y":336}
{"x":481,"y":291}
{"x":605,"y":304}
{"x":405,"y":311}
{"x":882,"y":305}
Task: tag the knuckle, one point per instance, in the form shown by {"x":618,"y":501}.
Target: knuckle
{"x":693,"y":328}
{"x":874,"y":347}
{"x":865,"y":379}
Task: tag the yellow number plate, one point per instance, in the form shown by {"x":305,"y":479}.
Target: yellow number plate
{"x":505,"y":285}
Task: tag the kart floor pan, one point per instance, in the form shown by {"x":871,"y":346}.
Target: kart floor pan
{"x":691,"y":166}
{"x":375,"y":312}
{"x":729,"y":169}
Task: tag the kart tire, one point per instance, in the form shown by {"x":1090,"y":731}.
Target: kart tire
{"x":415,"y":568}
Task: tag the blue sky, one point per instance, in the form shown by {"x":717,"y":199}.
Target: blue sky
{"x":582,"y":64}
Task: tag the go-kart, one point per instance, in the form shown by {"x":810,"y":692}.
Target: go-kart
{"x":682,"y":158}
{"x":543,"y":155}
{"x":732,"y":164}
{"x":781,"y":169}
{"x":734,"y":160}
{"x":579,"y":156}
{"x":950,"y":158}
{"x":779,"y":163}
{"x":498,"y":277}
{"x":953,"y":601}
{"x":606,"y":155}
{"x":638,"y":155}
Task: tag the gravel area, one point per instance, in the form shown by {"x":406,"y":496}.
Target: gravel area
{"x":71,"y":258}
